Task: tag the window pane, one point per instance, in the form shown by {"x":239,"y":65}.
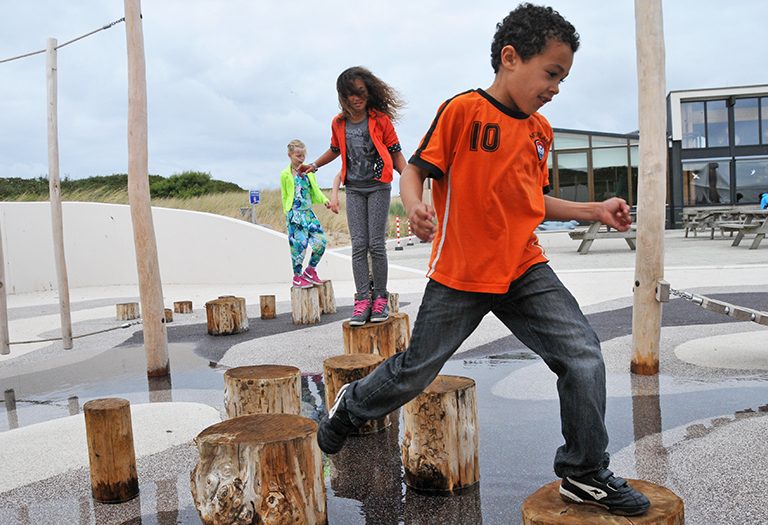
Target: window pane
{"x":570,"y":141}
{"x":634,"y":161}
{"x":751,"y":180}
{"x":598,"y":141}
{"x":717,"y":123}
{"x":706,"y":182}
{"x":572,"y":171}
{"x":746,"y":122}
{"x":693,"y":125}
{"x":609,"y":167}
{"x":764,"y":109}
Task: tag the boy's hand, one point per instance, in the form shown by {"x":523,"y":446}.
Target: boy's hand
{"x":614,"y":212}
{"x":422,"y":217}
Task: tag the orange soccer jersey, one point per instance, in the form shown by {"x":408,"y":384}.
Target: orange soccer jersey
{"x":490,"y":169}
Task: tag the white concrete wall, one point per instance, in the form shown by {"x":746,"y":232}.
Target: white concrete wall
{"x":193,"y":248}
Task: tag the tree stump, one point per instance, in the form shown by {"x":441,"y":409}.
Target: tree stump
{"x":226,"y":316}
{"x":342,"y":369}
{"x":111,"y":455}
{"x":127,"y":311}
{"x":263,"y":468}
{"x":262,"y":389}
{"x":267,"y":306}
{"x":440,"y":441}
{"x":182,"y":307}
{"x":385,"y":339}
{"x":305,"y":305}
{"x":394,"y":303}
{"x":326,"y":297}
{"x":168,"y":315}
{"x":545,"y":507}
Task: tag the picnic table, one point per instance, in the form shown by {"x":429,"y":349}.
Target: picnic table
{"x":597,"y":230}
{"x":755,"y":222}
{"x":708,"y":218}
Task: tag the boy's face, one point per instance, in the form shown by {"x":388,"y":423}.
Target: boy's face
{"x":527,"y":85}
{"x":297,"y":157}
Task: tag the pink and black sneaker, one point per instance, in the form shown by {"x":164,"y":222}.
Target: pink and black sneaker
{"x":380,"y":308}
{"x":362,"y":310}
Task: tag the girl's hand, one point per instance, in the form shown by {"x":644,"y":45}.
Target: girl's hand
{"x":307,"y":167}
{"x":333,"y":205}
{"x":422,"y":217}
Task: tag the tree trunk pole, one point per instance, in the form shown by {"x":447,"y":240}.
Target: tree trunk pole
{"x":5,"y":341}
{"x":54,"y":185}
{"x":150,"y":289}
{"x":649,"y":262}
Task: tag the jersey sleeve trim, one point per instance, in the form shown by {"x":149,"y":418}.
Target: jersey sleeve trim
{"x":433,"y":171}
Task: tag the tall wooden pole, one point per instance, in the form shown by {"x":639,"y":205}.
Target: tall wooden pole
{"x":54,"y":185}
{"x":649,"y":261}
{"x":150,"y":289}
{"x":5,"y":346}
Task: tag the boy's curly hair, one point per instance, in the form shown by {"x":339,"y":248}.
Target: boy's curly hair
{"x":528,"y":28}
{"x":381,"y":96}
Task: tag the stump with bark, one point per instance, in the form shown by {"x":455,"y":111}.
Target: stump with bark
{"x":226,"y":315}
{"x":394,"y":302}
{"x":167,"y":315}
{"x":263,"y":468}
{"x":440,"y":441}
{"x":182,"y":307}
{"x":385,"y":338}
{"x":262,"y":389}
{"x":342,"y":369}
{"x":305,"y":305}
{"x":267,"y":306}
{"x":111,"y":455}
{"x":545,"y":507}
{"x":326,"y":297}
{"x":127,"y":311}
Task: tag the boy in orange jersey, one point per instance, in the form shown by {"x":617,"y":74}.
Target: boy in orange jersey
{"x":487,"y":153}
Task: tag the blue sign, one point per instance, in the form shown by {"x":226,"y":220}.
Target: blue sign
{"x":254,"y":196}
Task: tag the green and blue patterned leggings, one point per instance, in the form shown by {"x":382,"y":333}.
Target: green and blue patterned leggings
{"x":304,"y":230}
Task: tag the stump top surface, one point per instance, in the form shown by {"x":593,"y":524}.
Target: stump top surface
{"x":263,"y":372}
{"x":545,"y":507}
{"x":395,"y":316}
{"x":259,"y":428}
{"x":445,"y":383}
{"x":106,"y":403}
{"x":225,"y":299}
{"x":352,"y":361}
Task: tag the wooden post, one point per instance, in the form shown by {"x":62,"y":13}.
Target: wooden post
{"x":386,"y":338}
{"x":127,"y":311}
{"x":168,"y":315}
{"x":267,"y":306}
{"x":5,"y":342}
{"x":262,"y":389}
{"x":263,"y":468}
{"x":545,"y":507}
{"x":440,"y":439}
{"x":182,"y":307}
{"x":326,"y":297}
{"x":342,"y":369}
{"x":651,"y":193}
{"x":305,"y":305}
{"x":394,"y":303}
{"x":226,"y":315}
{"x":54,"y":185}
{"x":150,"y":288}
{"x":111,"y":454}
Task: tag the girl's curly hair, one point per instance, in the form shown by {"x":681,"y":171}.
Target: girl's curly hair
{"x":528,"y":28}
{"x":381,"y":96}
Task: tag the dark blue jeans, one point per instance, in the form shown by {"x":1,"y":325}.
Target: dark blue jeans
{"x":543,"y":314}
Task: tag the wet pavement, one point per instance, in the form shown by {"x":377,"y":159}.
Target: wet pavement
{"x":696,"y":428}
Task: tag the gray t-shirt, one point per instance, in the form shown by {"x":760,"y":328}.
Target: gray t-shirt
{"x":361,"y":157}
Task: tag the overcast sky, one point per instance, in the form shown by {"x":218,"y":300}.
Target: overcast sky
{"x":230,"y":82}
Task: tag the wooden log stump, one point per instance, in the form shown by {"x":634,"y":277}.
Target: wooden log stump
{"x":385,"y":339}
{"x":545,"y":507}
{"x":342,"y":369}
{"x":262,"y":389}
{"x":440,"y":440}
{"x":394,"y":303}
{"x":267,"y":306}
{"x":168,"y":315}
{"x":305,"y":305}
{"x":182,"y":307}
{"x":127,"y":311}
{"x":326,"y":297}
{"x":263,"y":468}
{"x":111,"y":455}
{"x":226,"y":315}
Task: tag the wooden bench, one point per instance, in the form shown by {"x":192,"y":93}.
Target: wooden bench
{"x":588,"y":236}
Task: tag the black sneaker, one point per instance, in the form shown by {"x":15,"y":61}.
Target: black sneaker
{"x":334,"y":428}
{"x":380,"y":308}
{"x":603,"y":489}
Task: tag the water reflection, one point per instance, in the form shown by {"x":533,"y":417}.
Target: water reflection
{"x":160,"y":389}
{"x":10,"y":408}
{"x":73,"y":404}
{"x":462,"y":509}
{"x":651,"y":457}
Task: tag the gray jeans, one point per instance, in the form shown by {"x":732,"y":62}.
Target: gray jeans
{"x":544,"y":315}
{"x":367,"y":214}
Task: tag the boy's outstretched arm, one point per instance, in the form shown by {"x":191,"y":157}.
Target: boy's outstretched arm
{"x":613,"y":212}
{"x":421,"y":215}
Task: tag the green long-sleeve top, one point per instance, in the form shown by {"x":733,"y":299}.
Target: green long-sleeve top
{"x":287,"y":189}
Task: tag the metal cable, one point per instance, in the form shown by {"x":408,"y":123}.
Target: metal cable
{"x":124,"y":325}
